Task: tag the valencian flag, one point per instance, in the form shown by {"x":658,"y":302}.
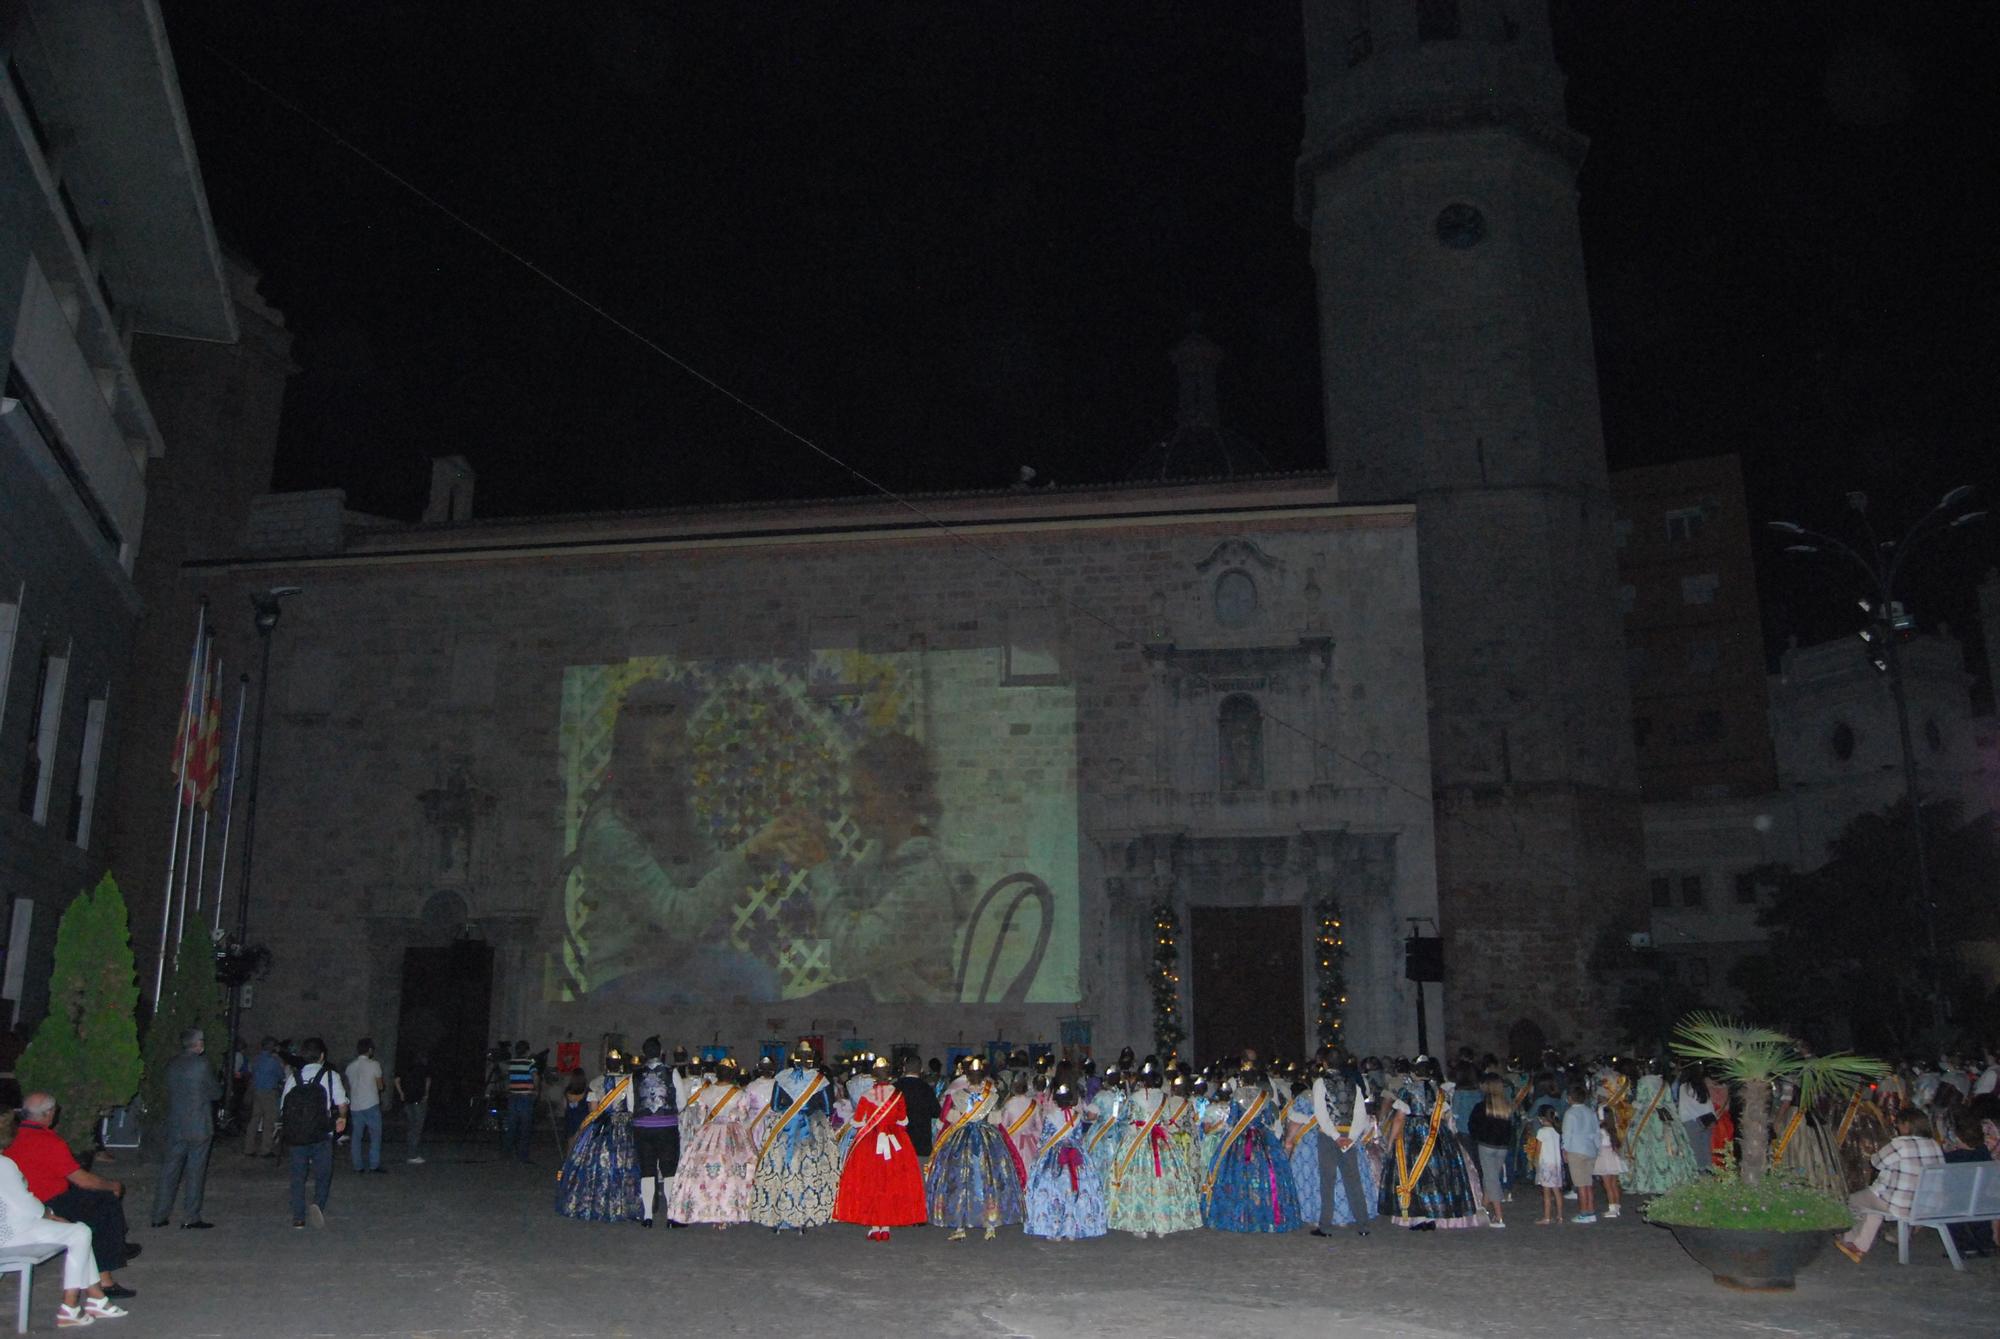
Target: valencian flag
{"x":197,"y":760}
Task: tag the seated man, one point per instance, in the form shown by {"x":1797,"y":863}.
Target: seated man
{"x":1900,"y":1161}
{"x":70,"y":1192}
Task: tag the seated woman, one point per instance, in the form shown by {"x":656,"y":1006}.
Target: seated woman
{"x":26,"y":1222}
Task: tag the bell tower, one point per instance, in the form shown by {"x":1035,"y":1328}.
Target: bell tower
{"x":1438,"y":181}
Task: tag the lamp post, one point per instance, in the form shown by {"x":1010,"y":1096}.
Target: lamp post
{"x":266,"y":607}
{"x":1882,"y":561}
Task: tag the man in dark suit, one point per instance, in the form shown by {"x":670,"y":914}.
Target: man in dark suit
{"x":920,"y":1101}
{"x":191,"y":1096}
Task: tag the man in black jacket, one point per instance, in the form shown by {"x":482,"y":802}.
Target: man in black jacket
{"x":920,"y":1101}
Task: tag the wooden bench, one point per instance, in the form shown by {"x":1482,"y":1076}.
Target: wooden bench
{"x":1963,"y":1192}
{"x":22,"y":1260}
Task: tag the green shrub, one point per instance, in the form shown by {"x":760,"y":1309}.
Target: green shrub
{"x":86,"y":1052}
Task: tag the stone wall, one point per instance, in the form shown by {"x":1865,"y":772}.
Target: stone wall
{"x":413,"y":656}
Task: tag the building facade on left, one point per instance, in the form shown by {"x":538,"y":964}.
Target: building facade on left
{"x":107,"y":257}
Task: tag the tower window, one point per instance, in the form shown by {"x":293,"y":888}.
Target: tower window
{"x":1692,"y":892}
{"x":1700,"y":587}
{"x":1662,"y":889}
{"x":1235,"y":599}
{"x":1685,"y":524}
{"x":1842,"y":740}
{"x":1437,"y":20}
{"x":1240,"y":740}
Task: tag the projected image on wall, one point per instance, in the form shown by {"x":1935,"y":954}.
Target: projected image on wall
{"x":897,"y":828}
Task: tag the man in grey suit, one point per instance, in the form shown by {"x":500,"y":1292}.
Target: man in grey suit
{"x":191,"y":1096}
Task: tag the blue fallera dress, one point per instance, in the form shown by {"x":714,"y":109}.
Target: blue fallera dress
{"x":1065,"y":1188}
{"x":1155,"y":1186}
{"x":599,"y":1180}
{"x":975,"y":1176}
{"x":1250,"y":1179}
{"x":1300,"y":1129}
{"x":1441,"y":1189}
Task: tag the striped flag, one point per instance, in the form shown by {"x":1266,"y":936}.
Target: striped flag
{"x":206,"y":768}
{"x":197,"y":760}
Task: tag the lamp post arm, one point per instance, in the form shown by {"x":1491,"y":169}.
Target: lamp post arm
{"x":1878,"y":576}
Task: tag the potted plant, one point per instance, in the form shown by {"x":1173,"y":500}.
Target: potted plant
{"x":1753,"y":1228}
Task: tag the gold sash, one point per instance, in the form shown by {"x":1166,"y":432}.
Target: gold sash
{"x":1145,"y":1133}
{"x":978,"y":1109}
{"x":1407,"y":1176}
{"x":1104,"y":1126}
{"x":1222,"y":1150}
{"x":604,"y":1103}
{"x":812,"y":1091}
{"x":1022,"y":1119}
{"x":1847,"y":1120}
{"x":1640,"y":1124}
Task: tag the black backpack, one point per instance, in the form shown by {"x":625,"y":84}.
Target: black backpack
{"x":306,"y":1117}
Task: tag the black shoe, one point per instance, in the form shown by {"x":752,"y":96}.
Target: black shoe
{"x":645,"y":1222}
{"x":196,"y":1226}
{"x":119,"y":1291}
{"x":158,"y":1222}
{"x":132,"y":1249}
{"x":671,"y":1223}
{"x":1321,"y":1232}
{"x":1360,"y":1231}
{"x":1423,"y":1227}
{"x":298,"y":1222}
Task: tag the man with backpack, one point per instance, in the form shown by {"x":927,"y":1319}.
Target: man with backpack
{"x":312,"y":1111}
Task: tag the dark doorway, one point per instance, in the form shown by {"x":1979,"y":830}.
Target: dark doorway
{"x":1249,"y":981}
{"x":447,"y":1004}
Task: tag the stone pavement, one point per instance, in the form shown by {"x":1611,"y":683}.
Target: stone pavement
{"x":468,"y":1247}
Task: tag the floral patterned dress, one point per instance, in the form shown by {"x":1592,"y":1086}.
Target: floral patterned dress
{"x":1441,"y":1189}
{"x":1249,"y":1183}
{"x":975,"y":1177}
{"x":1065,"y":1189}
{"x":713,"y":1183}
{"x":1657,"y":1153}
{"x":1154,"y":1187}
{"x":1301,"y":1133}
{"x":599,"y":1180}
{"x":798,"y":1164}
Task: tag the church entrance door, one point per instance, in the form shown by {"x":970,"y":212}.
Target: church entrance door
{"x":1249,"y":981}
{"x":447,"y":1004}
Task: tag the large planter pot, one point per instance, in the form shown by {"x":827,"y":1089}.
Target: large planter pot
{"x":1751,"y":1260}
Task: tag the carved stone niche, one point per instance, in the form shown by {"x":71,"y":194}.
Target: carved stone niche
{"x":453,"y":811}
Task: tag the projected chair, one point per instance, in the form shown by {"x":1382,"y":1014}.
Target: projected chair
{"x":1006,"y":899}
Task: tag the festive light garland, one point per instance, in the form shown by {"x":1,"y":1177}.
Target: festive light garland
{"x":1167,"y":1030}
{"x":1330,"y":949}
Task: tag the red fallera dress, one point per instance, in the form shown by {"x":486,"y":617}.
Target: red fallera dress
{"x":882,"y":1184}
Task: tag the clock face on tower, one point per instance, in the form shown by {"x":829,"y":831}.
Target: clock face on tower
{"x":1460,"y":226}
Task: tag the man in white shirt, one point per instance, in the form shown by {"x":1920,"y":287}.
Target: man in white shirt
{"x":1691,"y":1104}
{"x":364,"y":1091}
{"x":1341,"y":1120}
{"x":310,"y":1142}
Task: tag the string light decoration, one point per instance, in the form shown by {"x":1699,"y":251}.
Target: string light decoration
{"x":1167,"y":1030}
{"x":1329,"y":973}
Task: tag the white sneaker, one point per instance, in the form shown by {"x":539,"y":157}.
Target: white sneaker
{"x":1569,"y":1194}
{"x":316,"y":1215}
{"x":1611,"y":1212}
{"x":414,"y":1162}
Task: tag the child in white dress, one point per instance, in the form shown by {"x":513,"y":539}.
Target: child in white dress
{"x":1549,"y":1167}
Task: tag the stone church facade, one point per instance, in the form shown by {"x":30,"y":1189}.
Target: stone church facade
{"x":1247,"y":735}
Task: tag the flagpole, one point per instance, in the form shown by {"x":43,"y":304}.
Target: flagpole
{"x":207,"y":810}
{"x":192,"y":749}
{"x":229,"y":798}
{"x":180,"y":785}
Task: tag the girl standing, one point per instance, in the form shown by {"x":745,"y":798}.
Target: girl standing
{"x":599,"y":1180}
{"x":798,"y":1164}
{"x":1248,"y":1187}
{"x":1491,"y":1126}
{"x":975,"y":1176}
{"x":1549,"y":1167}
{"x":1154,"y":1188}
{"x":1657,"y":1152}
{"x":1610,"y":1164}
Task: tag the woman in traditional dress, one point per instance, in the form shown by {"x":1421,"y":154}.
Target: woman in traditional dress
{"x":599,"y":1180}
{"x":798,"y":1163}
{"x":1301,"y":1137}
{"x":1154,"y":1187}
{"x":975,"y":1177}
{"x":1106,"y":1119}
{"x":1021,"y":1117}
{"x":718,"y":1159}
{"x":1657,"y":1153}
{"x":1424,"y":1180}
{"x":1248,"y":1187}
{"x":1065,"y":1198}
{"x":881,"y":1185}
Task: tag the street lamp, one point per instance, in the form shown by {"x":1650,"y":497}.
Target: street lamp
{"x":266,"y":606}
{"x":1881,"y":562}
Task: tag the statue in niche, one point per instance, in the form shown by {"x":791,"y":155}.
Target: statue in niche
{"x":453,"y":810}
{"x":1240,"y":731}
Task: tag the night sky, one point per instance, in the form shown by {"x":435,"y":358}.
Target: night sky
{"x":945,"y":240}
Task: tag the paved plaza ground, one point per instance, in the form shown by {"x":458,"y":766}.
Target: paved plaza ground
{"x":468,"y":1247}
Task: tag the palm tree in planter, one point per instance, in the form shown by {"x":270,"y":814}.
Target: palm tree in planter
{"x":1750,"y":1226}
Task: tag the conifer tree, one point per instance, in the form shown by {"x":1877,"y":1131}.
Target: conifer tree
{"x":193,"y":998}
{"x":86,"y":1052}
